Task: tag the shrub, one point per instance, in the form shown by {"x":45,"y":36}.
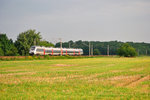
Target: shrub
{"x":39,"y":57}
{"x":127,"y":51}
{"x":46,"y":57}
{"x":96,"y":52}
{"x":35,"y":57}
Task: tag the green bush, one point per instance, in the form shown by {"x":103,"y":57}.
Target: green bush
{"x":127,"y":51}
{"x":97,"y":52}
{"x":34,"y":57}
{"x":46,"y":57}
{"x":39,"y":57}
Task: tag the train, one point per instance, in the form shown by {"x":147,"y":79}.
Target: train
{"x":41,"y":50}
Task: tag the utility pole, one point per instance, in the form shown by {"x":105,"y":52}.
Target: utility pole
{"x":107,"y":50}
{"x":92,"y":50}
{"x":89,"y":48}
{"x":60,"y":46}
{"x":138,"y":52}
{"x":146,"y":51}
{"x":69,"y":44}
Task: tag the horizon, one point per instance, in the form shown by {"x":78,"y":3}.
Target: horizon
{"x":85,"y":40}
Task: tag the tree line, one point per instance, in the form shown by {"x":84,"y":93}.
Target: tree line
{"x":100,"y":48}
{"x":23,"y":43}
{"x":30,"y":37}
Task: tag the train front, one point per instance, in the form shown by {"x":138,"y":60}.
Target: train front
{"x":32,"y":50}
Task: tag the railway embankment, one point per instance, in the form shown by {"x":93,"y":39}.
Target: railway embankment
{"x":8,"y":58}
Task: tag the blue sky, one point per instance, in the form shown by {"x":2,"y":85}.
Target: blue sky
{"x":95,"y":20}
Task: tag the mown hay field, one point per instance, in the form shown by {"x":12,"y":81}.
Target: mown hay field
{"x":86,"y":78}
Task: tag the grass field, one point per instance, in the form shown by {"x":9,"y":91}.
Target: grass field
{"x":86,"y":78}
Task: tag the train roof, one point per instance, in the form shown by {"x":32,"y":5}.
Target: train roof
{"x":54,"y":47}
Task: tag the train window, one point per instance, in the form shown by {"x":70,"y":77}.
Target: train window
{"x":48,"y":51}
{"x":70,"y":51}
{"x":40,"y":50}
{"x":32,"y":48}
{"x":56,"y":51}
{"x":37,"y":50}
{"x":76,"y":51}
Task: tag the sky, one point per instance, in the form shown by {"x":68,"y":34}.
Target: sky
{"x":91,"y":20}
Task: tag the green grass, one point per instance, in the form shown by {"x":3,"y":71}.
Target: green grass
{"x":86,"y":78}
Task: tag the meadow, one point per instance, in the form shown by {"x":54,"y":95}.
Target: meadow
{"x":76,"y":79}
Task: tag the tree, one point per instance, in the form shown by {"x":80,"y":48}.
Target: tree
{"x":127,"y":51}
{"x":96,"y":52}
{"x":12,"y":51}
{"x":46,"y":44}
{"x":4,"y":43}
{"x":7,"y":47}
{"x":27,"y":39}
{"x":1,"y":52}
{"x":144,"y":48}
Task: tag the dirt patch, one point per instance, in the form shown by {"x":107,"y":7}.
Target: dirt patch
{"x":10,"y":80}
{"x":110,"y":65}
{"x":136,"y":82}
{"x":94,"y":78}
{"x":91,"y":77}
{"x":123,"y":77}
{"x":116,"y":71}
{"x":145,"y":89}
{"x":136,"y":69}
{"x":44,"y":79}
{"x":51,"y":79}
{"x":61,"y":65}
{"x":128,"y":81}
{"x":123,"y":80}
{"x":22,"y":73}
{"x":14,"y":70}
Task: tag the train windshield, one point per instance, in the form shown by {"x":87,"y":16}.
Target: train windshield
{"x":32,"y":48}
